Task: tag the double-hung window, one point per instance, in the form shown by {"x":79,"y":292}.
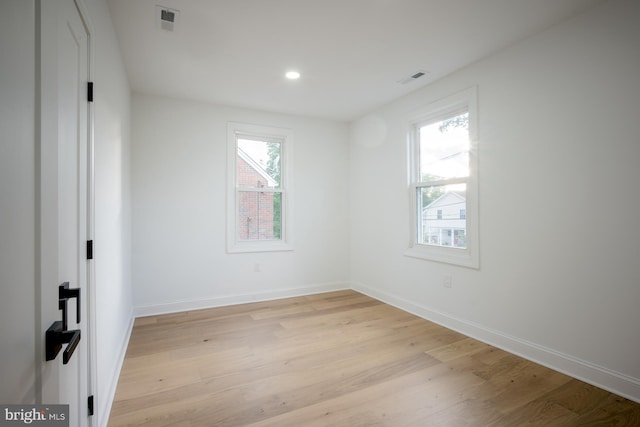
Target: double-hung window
{"x":259,"y":193}
{"x":443,"y":187}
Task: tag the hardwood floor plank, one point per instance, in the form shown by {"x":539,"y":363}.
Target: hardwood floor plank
{"x":339,"y":359}
{"x":613,"y":411}
{"x":538,"y":413}
{"x":577,"y":396}
{"x":463,"y":347}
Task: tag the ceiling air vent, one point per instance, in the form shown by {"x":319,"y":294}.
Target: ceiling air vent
{"x":413,"y":77}
{"x":166,"y":18}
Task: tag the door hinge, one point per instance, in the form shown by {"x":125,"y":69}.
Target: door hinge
{"x":90,"y":404}
{"x":89,"y":249}
{"x":90,"y":91}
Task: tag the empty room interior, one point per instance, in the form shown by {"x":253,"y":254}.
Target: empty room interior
{"x":345,"y":213}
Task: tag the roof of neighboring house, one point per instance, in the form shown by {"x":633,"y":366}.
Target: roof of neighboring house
{"x":256,"y":166}
{"x":460,"y":195}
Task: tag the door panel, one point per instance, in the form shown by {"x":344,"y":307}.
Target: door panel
{"x":64,"y":211}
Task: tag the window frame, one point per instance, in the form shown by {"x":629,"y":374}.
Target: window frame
{"x":235,"y":131}
{"x":464,"y":101}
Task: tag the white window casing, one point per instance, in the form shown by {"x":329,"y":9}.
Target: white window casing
{"x":468,"y":256}
{"x":243,"y":131}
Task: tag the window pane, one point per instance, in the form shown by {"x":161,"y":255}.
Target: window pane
{"x":259,"y":215}
{"x":444,"y":149}
{"x":440,"y":222}
{"x":259,"y":163}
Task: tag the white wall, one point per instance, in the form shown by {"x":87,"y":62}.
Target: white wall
{"x":17,"y":203}
{"x":179,"y":190}
{"x":112,"y":246}
{"x":559,"y":139}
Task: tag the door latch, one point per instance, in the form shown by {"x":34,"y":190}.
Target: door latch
{"x":57,"y":334}
{"x":64,"y":294}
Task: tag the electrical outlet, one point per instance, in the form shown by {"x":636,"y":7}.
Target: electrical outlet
{"x":447,"y":280}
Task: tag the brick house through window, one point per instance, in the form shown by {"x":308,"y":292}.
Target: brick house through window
{"x":255,"y":208}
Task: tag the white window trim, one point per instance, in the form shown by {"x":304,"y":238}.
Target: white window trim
{"x":234,"y":245}
{"x":438,"y":110}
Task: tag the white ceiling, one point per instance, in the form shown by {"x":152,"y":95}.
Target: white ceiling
{"x":351,"y":53}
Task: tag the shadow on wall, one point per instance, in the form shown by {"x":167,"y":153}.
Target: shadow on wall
{"x":369,"y":131}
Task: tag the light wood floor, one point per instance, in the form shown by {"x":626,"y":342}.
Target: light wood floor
{"x":339,"y":359}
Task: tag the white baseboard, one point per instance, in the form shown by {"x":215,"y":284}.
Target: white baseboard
{"x":106,"y":401}
{"x":599,"y":376}
{"x":187,"y":305}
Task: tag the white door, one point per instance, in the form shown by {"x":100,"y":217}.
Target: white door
{"x":65,"y":167}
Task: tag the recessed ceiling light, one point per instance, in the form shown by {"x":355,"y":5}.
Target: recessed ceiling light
{"x":292,"y":75}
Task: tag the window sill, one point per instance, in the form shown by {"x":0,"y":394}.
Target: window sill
{"x":248,"y":247}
